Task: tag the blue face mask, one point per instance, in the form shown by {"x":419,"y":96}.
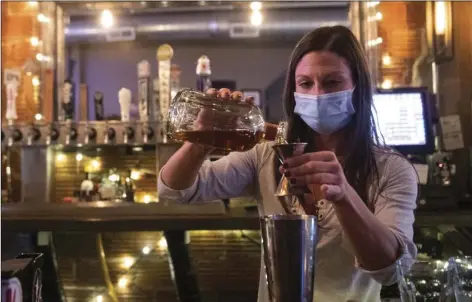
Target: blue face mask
{"x":326,"y":113}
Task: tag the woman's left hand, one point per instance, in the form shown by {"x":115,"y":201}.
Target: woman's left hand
{"x":318,"y":168}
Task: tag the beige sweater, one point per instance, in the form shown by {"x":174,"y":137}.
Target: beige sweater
{"x":338,"y":275}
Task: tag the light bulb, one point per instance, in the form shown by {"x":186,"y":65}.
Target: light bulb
{"x":79,"y":157}
{"x":135,"y":175}
{"x":35,"y":81}
{"x":440,"y":17}
{"x":34,"y":41}
{"x":146,"y":250}
{"x":106,"y":19}
{"x":387,"y":84}
{"x":123,"y":282}
{"x":162,"y":243}
{"x":386,"y":60}
{"x":256,"y":18}
{"x":60,"y":157}
{"x":42,"y":18}
{"x":378,"y":16}
{"x":256,"y":6}
{"x":38,"y":116}
{"x":147,"y":199}
{"x":128,"y":262}
{"x":95,"y":164}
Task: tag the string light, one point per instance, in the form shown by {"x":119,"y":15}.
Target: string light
{"x":378,"y":16}
{"x":96,"y":164}
{"x":35,"y":81}
{"x":79,"y":157}
{"x":42,"y":18}
{"x":387,"y":84}
{"x":128,"y":262}
{"x":146,"y":199}
{"x":146,"y":250}
{"x":123,"y":282}
{"x":60,"y":157}
{"x":135,"y":175}
{"x":386,"y":60}
{"x":34,"y":41}
{"x":162,"y":243}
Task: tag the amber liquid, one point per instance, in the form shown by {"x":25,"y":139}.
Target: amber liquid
{"x":234,"y":140}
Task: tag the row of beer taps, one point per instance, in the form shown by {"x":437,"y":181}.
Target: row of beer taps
{"x":154,"y":98}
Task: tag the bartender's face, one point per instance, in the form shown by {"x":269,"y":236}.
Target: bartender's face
{"x":321,"y":72}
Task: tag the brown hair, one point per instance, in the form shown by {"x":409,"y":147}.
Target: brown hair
{"x":359,"y":162}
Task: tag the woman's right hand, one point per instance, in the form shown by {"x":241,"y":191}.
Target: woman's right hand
{"x":206,"y":119}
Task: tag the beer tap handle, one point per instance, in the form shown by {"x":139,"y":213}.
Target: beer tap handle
{"x":12,"y":93}
{"x":124,"y":98}
{"x":68,"y":100}
{"x":144,"y":80}
{"x":98,"y":102}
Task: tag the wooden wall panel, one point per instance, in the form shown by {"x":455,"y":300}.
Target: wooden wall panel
{"x":18,"y":26}
{"x":227,"y":265}
{"x":400,"y":28}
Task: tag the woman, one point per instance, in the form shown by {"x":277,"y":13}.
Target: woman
{"x":368,"y":192}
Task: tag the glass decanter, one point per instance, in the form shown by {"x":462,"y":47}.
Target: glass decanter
{"x":207,"y":120}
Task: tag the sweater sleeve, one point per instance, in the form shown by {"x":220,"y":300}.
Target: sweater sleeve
{"x":395,"y":207}
{"x":230,"y":176}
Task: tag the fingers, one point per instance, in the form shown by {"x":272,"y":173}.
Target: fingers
{"x":212,"y":92}
{"x":226,"y":94}
{"x":318,"y":178}
{"x":321,"y":156}
{"x":249,"y":100}
{"x":236,"y":96}
{"x":332,"y":192}
{"x":312,"y":167}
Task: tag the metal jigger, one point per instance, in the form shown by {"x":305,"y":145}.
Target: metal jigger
{"x":289,"y":243}
{"x":284,"y":151}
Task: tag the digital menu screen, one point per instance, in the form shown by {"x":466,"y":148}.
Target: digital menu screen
{"x":400,"y":118}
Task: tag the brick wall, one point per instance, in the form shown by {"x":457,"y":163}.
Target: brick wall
{"x":400,"y":28}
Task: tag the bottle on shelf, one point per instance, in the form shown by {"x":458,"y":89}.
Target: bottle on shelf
{"x":86,"y":189}
{"x":129,"y":188}
{"x":203,"y":74}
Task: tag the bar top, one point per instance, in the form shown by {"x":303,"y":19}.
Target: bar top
{"x":110,"y":216}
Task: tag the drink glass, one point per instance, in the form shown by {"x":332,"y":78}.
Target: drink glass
{"x":207,"y":120}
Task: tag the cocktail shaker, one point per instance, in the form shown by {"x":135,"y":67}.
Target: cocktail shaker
{"x":289,"y":244}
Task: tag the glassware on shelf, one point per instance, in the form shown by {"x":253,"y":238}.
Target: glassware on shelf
{"x":439,"y":281}
{"x":221,"y":124}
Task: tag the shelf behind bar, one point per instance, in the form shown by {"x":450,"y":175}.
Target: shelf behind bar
{"x":120,"y":217}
